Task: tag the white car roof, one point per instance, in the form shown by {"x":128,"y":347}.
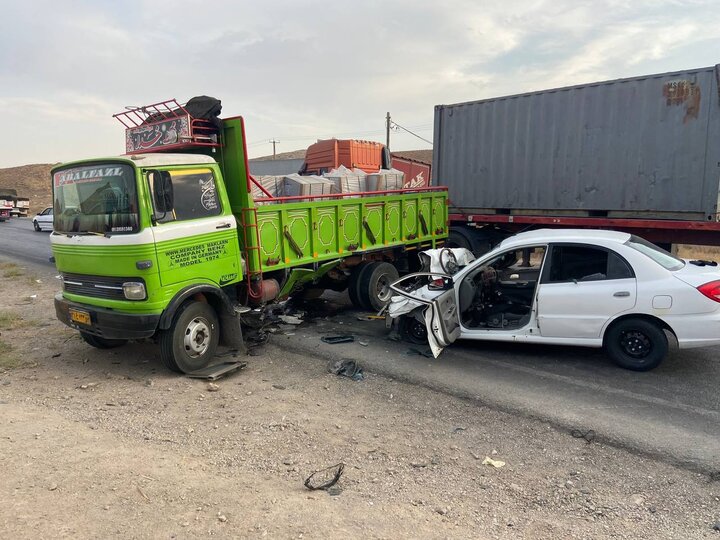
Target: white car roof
{"x":566,"y":235}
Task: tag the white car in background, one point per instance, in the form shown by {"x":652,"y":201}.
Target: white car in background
{"x":568,"y":287}
{"x":44,"y":220}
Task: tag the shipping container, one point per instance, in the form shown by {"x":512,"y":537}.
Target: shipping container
{"x":643,"y":147}
{"x":417,"y":173}
{"x":326,"y":155}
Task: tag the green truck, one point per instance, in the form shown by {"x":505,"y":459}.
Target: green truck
{"x":176,"y":241}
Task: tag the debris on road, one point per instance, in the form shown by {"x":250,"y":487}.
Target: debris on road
{"x":324,"y":478}
{"x":493,"y":462}
{"x":214,"y":372}
{"x":332,"y":340}
{"x":588,"y":435}
{"x":426,"y":352}
{"x":290,"y":319}
{"x":348,"y":368}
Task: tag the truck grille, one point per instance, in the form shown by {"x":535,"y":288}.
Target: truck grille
{"x":97,"y":286}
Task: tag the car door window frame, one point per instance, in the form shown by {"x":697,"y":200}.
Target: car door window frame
{"x":549,"y":260}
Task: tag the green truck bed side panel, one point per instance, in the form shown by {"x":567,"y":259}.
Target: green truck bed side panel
{"x":299,"y":233}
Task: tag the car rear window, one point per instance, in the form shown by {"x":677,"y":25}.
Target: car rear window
{"x":660,"y":256}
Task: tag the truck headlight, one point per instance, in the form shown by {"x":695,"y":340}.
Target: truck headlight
{"x":134,"y":290}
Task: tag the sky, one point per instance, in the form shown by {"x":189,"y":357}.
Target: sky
{"x":299,"y":71}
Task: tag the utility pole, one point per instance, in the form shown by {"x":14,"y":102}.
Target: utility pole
{"x":387,"y":131}
{"x":274,"y":142}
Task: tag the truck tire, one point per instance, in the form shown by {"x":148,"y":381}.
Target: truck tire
{"x":374,"y":285}
{"x":101,"y":342}
{"x":477,"y":241}
{"x":458,"y":239}
{"x":353,"y":284}
{"x":190,"y":343}
{"x":636,"y":344}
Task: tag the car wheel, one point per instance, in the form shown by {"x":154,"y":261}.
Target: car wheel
{"x":413,"y":330}
{"x":101,"y":342}
{"x":37,"y":227}
{"x":636,"y":344}
{"x":190,"y":343}
{"x":374,"y":285}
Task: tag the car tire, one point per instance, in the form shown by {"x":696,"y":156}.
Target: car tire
{"x":101,"y":342}
{"x":37,"y":227}
{"x":374,"y":285}
{"x":412,"y":330}
{"x":353,"y":283}
{"x":190,"y":343}
{"x":636,"y":344}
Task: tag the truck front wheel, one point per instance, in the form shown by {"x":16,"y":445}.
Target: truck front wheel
{"x":190,"y":343}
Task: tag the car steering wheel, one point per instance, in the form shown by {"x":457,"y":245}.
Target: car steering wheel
{"x":449,"y":262}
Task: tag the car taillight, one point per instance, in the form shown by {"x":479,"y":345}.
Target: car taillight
{"x":711,"y":290}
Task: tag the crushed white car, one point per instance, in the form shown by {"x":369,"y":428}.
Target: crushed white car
{"x":564,"y":287}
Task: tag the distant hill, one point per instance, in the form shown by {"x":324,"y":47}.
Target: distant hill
{"x":32,"y":181}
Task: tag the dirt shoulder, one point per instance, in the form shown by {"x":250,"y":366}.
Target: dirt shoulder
{"x":108,"y":443}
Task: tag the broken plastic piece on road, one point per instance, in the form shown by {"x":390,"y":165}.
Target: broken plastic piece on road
{"x":337,"y":339}
{"x":214,"y":372}
{"x":348,"y":368}
{"x":493,"y":462}
{"x":324,"y":478}
{"x":290,"y":319}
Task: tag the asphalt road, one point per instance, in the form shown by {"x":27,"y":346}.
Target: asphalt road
{"x":18,"y":239}
{"x":672,"y":412}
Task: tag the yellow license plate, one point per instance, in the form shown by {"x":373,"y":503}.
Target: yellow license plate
{"x":82,"y":317}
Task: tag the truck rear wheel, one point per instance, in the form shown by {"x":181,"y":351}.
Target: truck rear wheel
{"x":354,"y":282}
{"x":374,"y":285}
{"x":100,"y":342}
{"x":190,"y":343}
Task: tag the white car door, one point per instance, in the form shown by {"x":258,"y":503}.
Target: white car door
{"x":581,"y":288}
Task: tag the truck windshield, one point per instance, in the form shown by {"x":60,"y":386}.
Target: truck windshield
{"x":98,"y":198}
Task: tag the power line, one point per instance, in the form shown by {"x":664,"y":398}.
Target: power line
{"x":410,"y":132}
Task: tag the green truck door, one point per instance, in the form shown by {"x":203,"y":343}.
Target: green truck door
{"x":197,"y":240}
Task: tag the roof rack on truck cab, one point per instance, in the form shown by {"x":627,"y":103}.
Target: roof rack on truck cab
{"x":168,"y":125}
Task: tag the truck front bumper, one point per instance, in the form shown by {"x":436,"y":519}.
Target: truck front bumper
{"x":105,"y":322}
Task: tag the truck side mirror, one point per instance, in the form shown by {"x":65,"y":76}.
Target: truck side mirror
{"x":162,"y":191}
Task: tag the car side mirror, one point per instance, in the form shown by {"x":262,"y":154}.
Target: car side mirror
{"x":162,"y":191}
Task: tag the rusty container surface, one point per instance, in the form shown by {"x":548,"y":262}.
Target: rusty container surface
{"x":329,"y":154}
{"x":417,"y":173}
{"x":644,"y":147}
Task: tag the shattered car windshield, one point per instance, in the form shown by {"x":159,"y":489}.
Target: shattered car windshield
{"x":98,"y":198}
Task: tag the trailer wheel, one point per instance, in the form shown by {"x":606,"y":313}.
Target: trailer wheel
{"x":101,"y":342}
{"x":190,"y":343}
{"x":374,"y":285}
{"x":353,"y":284}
